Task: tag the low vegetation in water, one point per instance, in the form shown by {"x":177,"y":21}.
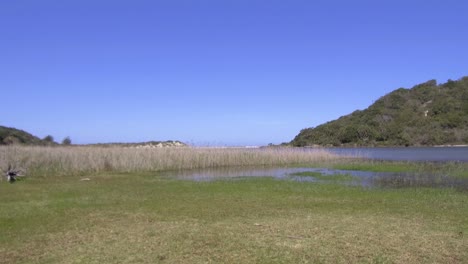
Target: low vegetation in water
{"x":452,"y":169}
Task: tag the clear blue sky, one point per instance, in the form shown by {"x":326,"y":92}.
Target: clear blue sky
{"x":215,"y":72}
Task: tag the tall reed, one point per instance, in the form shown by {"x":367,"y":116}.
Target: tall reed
{"x":74,"y":160}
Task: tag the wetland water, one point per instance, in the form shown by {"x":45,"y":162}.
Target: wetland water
{"x":323,"y":175}
{"x":406,"y":154}
{"x":349,"y":177}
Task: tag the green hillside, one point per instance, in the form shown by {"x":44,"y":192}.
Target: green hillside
{"x":427,"y":114}
{"x":9,"y":135}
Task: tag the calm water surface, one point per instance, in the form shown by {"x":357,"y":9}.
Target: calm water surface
{"x":359,"y":178}
{"x":356,"y":178}
{"x":407,"y":154}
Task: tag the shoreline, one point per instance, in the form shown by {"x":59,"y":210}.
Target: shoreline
{"x":403,"y":147}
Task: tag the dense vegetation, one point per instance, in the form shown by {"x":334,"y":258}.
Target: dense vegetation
{"x":427,"y":114}
{"x":79,"y":160}
{"x":13,"y":136}
{"x":9,"y":136}
{"x":147,"y":144}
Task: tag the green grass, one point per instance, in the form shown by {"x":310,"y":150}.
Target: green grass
{"x":380,"y":166}
{"x":456,"y":169}
{"x":127,"y":213}
{"x":144,"y":218}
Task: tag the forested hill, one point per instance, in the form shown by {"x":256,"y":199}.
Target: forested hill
{"x":9,"y":135}
{"x":13,"y":136}
{"x":427,"y":114}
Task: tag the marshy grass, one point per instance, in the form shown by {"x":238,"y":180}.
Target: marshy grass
{"x":78,"y":160}
{"x":127,"y":213}
{"x":452,"y":169}
{"x":144,"y":218}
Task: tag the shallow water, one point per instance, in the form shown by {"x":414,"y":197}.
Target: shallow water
{"x":440,"y":154}
{"x":320,"y":175}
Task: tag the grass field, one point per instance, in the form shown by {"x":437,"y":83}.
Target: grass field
{"x":142,"y":217}
{"x":133,"y":218}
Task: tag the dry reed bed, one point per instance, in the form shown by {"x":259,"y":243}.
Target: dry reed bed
{"x":76,"y":160}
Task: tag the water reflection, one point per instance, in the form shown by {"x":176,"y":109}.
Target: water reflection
{"x":440,"y":154}
{"x":235,"y":172}
{"x":325,"y":175}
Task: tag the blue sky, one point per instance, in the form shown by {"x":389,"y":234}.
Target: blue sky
{"x":243,"y":72}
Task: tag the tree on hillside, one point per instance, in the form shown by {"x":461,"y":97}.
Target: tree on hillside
{"x":48,"y":139}
{"x":66,"y":141}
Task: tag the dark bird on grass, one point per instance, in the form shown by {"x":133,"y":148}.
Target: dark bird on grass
{"x":12,"y":174}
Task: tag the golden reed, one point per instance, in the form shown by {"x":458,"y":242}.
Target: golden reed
{"x":77,"y":160}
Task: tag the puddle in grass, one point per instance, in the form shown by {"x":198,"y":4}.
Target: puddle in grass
{"x":324,"y":175}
